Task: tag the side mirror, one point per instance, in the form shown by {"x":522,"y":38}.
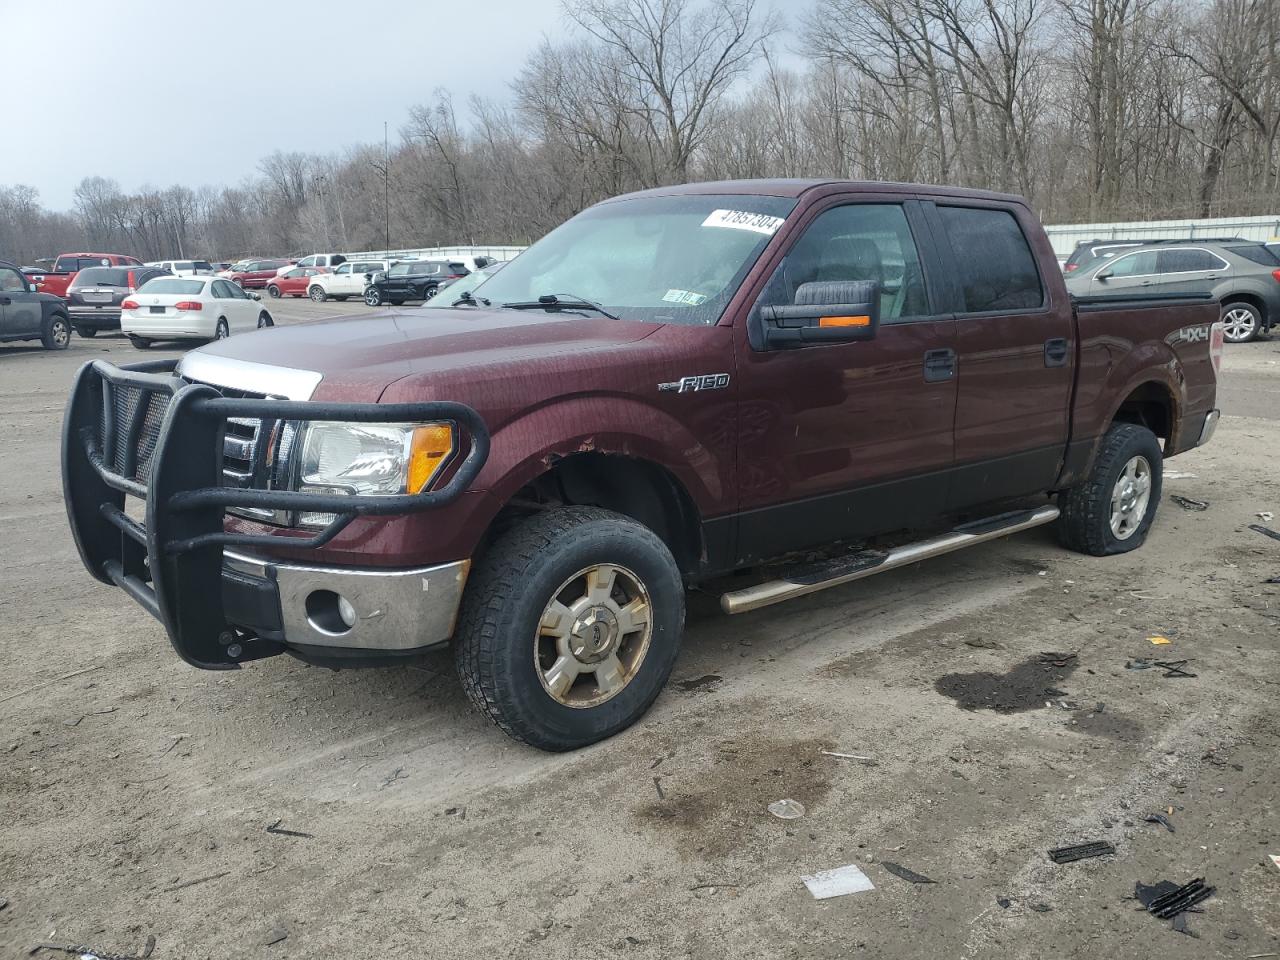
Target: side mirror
{"x":31,"y":286}
{"x":1103,"y":276}
{"x":256,"y":296}
{"x":839,"y":311}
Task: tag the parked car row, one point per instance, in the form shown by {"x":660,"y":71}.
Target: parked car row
{"x":1242,"y":275}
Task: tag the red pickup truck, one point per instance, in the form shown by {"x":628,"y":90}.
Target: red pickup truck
{"x":67,"y":265}
{"x":818,"y":380}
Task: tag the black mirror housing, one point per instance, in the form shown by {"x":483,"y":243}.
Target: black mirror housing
{"x":831,"y":312}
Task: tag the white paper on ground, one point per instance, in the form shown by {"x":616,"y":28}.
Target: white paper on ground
{"x":838,"y":882}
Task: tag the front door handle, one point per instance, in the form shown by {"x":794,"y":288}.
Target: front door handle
{"x":939,"y":365}
{"x":1055,"y":352}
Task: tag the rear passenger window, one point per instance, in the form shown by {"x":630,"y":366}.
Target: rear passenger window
{"x":997,"y":270}
{"x":865,"y":241}
{"x":1185,"y":261}
{"x":1257,"y":253}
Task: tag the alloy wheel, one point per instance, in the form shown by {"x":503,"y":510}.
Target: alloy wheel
{"x":1239,"y":324}
{"x":1129,"y":498}
{"x":593,"y":635}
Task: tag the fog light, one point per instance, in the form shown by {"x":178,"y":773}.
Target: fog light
{"x":346,"y":611}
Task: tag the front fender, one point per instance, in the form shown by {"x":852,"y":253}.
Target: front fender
{"x":521,"y":449}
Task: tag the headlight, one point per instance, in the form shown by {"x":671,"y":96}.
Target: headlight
{"x":370,"y":459}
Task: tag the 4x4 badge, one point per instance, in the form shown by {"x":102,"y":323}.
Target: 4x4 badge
{"x":705,"y":381}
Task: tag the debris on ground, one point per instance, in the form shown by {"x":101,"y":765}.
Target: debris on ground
{"x":91,"y":953}
{"x":1266,"y":516}
{"x":1275,"y":860}
{"x":1272,"y":580}
{"x":657,"y":785}
{"x":838,"y":882}
{"x":699,"y":683}
{"x":1057,"y":659}
{"x":1265,"y":531}
{"x":982,"y":643}
{"x":192,"y":883}
{"x":1004,"y":902}
{"x":904,"y":874}
{"x":1082,"y":851}
{"x":276,"y":935}
{"x":848,"y":756}
{"x":1189,"y":503}
{"x":786,"y":809}
{"x":1159,"y":641}
{"x":1041,"y":907}
{"x":1159,"y":818}
{"x":1166,"y":900}
{"x":396,"y":774}
{"x":1177,"y":475}
{"x":280,"y":831}
{"x":1172,"y":668}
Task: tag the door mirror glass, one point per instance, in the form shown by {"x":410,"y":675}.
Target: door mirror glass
{"x":1103,"y":275}
{"x":824,"y":311}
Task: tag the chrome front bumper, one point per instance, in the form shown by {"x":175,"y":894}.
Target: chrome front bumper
{"x":388,"y":610}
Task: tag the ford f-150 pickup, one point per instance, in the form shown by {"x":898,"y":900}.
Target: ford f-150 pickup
{"x":809,"y":381}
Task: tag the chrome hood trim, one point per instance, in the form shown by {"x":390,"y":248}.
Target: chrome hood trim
{"x":263,"y":378}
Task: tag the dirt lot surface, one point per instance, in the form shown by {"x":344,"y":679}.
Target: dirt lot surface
{"x":136,"y":793}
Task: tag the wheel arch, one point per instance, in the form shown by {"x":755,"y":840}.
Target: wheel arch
{"x":1252,"y":299}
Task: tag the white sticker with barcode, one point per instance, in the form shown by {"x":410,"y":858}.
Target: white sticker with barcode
{"x":684,"y":296}
{"x":744,"y":220}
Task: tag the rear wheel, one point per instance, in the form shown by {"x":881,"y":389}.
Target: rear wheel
{"x":57,"y":333}
{"x":87,"y":331}
{"x":1241,"y":322}
{"x":1112,"y":511}
{"x":317,"y":294}
{"x":570,"y":627}
{"x":221,"y":331}
{"x":140,"y":343}
{"x":373,"y":296}
{"x":264,"y":320}
{"x":273,"y":291}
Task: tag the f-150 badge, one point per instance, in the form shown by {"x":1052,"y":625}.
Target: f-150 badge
{"x":705,"y":381}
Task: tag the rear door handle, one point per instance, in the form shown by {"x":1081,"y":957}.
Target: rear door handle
{"x":1055,"y":352}
{"x":939,"y":365}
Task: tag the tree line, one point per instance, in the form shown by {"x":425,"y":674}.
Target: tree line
{"x":1095,"y":110}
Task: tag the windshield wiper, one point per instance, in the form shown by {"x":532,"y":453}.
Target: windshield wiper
{"x":472,"y":299}
{"x":552,"y":301}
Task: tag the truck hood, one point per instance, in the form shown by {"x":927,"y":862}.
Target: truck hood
{"x":356,"y":358}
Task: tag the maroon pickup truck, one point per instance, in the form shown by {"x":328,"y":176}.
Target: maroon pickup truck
{"x":811,"y":381}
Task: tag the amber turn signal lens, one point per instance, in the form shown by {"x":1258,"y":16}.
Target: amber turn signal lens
{"x":429,"y":450}
{"x":844,"y":321}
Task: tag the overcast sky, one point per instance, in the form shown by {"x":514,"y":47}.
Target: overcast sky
{"x":147,"y":92}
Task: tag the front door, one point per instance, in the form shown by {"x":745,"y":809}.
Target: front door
{"x":20,"y":313}
{"x":1016,"y":348}
{"x":842,"y":440}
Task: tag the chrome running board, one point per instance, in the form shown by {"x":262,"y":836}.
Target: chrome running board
{"x":831,"y":573}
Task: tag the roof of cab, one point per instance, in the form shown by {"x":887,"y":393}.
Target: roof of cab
{"x":794,"y":188}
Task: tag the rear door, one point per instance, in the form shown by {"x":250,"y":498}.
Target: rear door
{"x":20,"y":311}
{"x":1015,"y":347}
{"x":1189,"y":270}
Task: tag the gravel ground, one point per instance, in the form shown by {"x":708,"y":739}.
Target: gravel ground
{"x":136,"y":793}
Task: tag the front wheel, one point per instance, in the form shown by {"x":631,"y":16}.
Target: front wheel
{"x":273,"y":291}
{"x":57,"y":333}
{"x":1112,"y":510}
{"x":1241,"y":322}
{"x":570,"y":627}
{"x":373,"y":296}
{"x":264,"y":320}
{"x":317,"y":294}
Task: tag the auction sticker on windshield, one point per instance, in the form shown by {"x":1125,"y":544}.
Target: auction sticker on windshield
{"x":685,"y":296}
{"x":744,"y":220}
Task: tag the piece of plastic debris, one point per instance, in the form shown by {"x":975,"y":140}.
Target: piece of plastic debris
{"x":787,"y":809}
{"x":1138,"y":663}
{"x":1004,"y":902}
{"x":1179,"y":925}
{"x":1173,"y":668}
{"x":1275,"y":860}
{"x":845,"y":756}
{"x":1177,"y":475}
{"x":1272,"y":580}
{"x":838,"y":882}
{"x":1158,"y":641}
{"x":1266,"y":516}
{"x":982,"y":643}
{"x":903,"y":873}
{"x":1189,"y":503}
{"x":1166,"y":903}
{"x":1159,"y":818}
{"x":1265,"y":531}
{"x":1041,"y":907}
{"x":1082,"y":851}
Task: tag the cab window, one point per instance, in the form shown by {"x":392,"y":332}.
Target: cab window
{"x":865,"y":241}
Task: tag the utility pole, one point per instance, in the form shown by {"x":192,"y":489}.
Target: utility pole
{"x":319,"y":181}
{"x":386,"y":182}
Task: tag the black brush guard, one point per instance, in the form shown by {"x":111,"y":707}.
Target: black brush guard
{"x":141,"y":430}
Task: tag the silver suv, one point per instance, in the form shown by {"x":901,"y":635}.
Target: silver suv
{"x":1242,"y":275}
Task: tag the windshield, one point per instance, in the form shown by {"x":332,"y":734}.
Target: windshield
{"x":172,"y":285}
{"x":457,"y":291}
{"x":671,"y":259}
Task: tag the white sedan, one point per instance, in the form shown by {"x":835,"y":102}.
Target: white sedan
{"x":190,"y":308}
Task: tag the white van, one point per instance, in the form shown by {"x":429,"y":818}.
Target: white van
{"x":185,"y":268}
{"x":326,"y":261}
